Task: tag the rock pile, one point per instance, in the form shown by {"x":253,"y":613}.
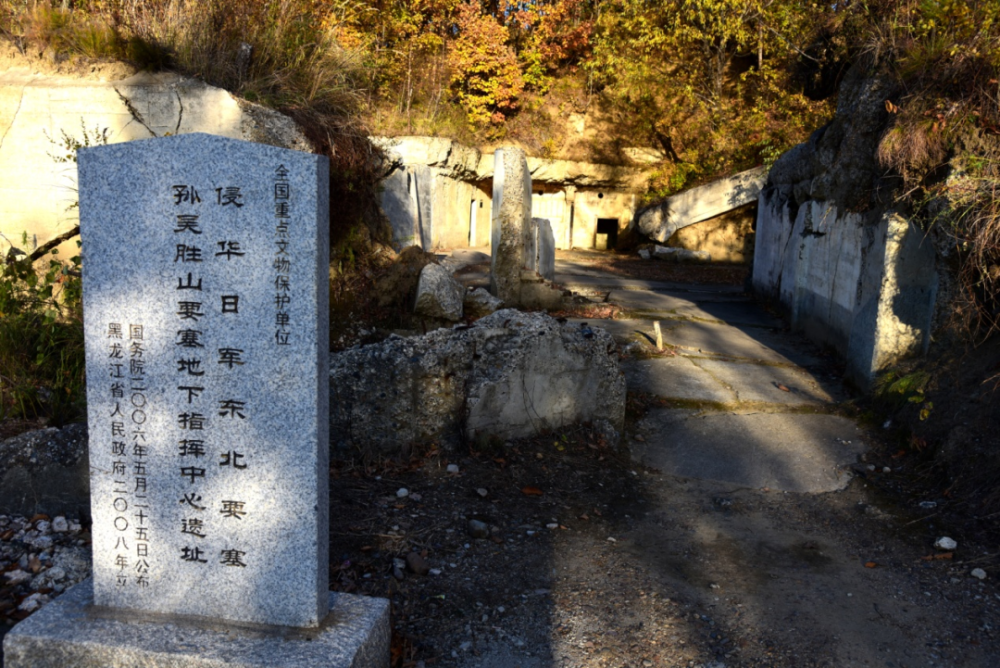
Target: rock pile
{"x":40,"y":557}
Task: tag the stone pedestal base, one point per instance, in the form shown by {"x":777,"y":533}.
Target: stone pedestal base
{"x":71,"y":632}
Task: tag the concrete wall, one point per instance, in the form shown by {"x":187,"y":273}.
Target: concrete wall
{"x":865,"y":286}
{"x":35,"y":108}
{"x":552,"y":206}
{"x":448,"y":216}
{"x":726,"y":238}
{"x":593,"y":204}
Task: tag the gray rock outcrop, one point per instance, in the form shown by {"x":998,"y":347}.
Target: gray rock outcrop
{"x":510,"y":375}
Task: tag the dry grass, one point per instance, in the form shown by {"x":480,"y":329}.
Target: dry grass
{"x":942,"y":129}
{"x":973,"y":223}
{"x":945,"y":61}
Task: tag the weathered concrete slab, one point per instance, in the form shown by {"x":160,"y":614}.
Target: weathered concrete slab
{"x":694,"y":337}
{"x":749,"y":342}
{"x":545,"y":249}
{"x":650,"y":302}
{"x":575,"y":279}
{"x":735,"y":313}
{"x":398,"y":201}
{"x":671,"y":305}
{"x":788,"y":452}
{"x":70,"y":631}
{"x":762,"y":383}
{"x":676,"y":378}
{"x":697,"y":204}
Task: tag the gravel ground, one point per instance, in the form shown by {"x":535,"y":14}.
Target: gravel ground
{"x":40,"y":557}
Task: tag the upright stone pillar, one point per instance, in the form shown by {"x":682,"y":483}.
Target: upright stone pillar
{"x":545,"y":249}
{"x":567,"y":224}
{"x":511,"y":223}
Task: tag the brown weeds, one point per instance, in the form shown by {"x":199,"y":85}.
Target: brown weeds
{"x":976,"y":231}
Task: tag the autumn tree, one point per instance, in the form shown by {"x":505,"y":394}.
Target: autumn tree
{"x":485,"y":74}
{"x":709,"y":79}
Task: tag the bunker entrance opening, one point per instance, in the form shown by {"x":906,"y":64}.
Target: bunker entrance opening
{"x":606,"y":237}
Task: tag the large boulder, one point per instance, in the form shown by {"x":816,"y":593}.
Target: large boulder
{"x":511,"y":374}
{"x":398,"y":285}
{"x":439,"y":295}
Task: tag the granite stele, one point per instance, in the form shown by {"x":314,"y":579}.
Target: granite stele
{"x":205,"y":282}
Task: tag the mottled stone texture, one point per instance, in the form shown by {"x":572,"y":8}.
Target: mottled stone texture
{"x":545,"y":249}
{"x":512,"y":234}
{"x":511,"y":374}
{"x":478,"y":303}
{"x":70,"y":632}
{"x":205,"y":264}
{"x":439,"y":295}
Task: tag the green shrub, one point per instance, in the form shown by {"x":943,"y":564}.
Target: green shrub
{"x":41,"y":337}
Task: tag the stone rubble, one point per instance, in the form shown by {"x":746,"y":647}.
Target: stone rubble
{"x":681,"y":254}
{"x":945,"y":543}
{"x":40,"y":557}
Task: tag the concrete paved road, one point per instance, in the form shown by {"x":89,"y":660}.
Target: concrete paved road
{"x":742,"y":400}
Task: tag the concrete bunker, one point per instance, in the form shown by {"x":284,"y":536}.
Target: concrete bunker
{"x":439,"y":195}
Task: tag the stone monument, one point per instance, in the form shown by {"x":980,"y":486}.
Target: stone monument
{"x":512,"y":234}
{"x":205,"y":279}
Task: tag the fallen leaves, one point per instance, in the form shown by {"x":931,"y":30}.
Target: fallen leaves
{"x":939,"y":557}
{"x":531,"y":491}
